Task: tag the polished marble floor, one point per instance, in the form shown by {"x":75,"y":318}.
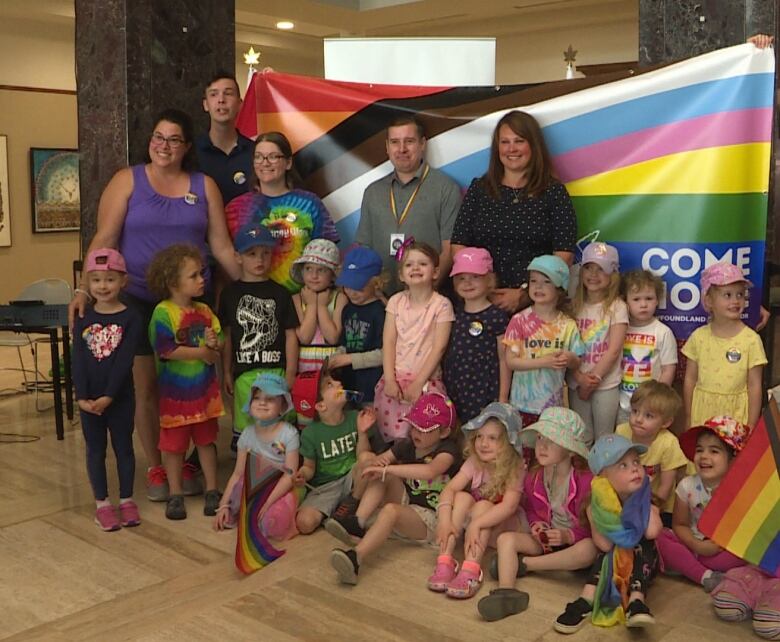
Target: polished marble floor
{"x":61,"y":578}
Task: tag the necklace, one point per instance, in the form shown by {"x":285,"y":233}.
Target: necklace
{"x":516,"y":191}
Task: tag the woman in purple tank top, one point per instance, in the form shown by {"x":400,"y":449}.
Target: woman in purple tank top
{"x":144,"y":209}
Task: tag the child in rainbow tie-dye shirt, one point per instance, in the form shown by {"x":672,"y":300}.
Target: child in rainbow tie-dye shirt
{"x":187,"y":339}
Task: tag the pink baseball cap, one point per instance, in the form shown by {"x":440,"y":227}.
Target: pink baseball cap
{"x":105,"y":259}
{"x":603,"y":255}
{"x":431,"y":411}
{"x":722,"y":273}
{"x":472,"y":260}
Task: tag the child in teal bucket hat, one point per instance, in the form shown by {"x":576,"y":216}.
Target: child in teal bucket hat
{"x":555,"y":493}
{"x":275,"y":444}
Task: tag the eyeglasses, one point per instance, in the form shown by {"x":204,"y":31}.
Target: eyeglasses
{"x":173,"y":141}
{"x":271,"y":158}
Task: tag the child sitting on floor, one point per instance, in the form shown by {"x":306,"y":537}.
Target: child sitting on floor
{"x":276,"y":443}
{"x":712,"y":447}
{"x":654,"y":406}
{"x":330,"y":446}
{"x":555,"y":494}
{"x":406,"y":485}
{"x":482,"y":498}
{"x":624,"y":524}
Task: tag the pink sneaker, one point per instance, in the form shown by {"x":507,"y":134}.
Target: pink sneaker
{"x":467,"y":582}
{"x":128,"y":514}
{"x":105,"y":517}
{"x":446,"y":568}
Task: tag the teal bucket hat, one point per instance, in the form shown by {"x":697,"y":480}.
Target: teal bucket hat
{"x":561,"y":426}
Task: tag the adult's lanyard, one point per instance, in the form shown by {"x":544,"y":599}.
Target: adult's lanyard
{"x":405,"y":213}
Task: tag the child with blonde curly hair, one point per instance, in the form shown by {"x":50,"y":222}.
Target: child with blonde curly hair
{"x":483,"y":499}
{"x":187,"y":340}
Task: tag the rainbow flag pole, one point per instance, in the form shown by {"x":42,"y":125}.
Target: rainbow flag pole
{"x":253,"y":550}
{"x":744,"y":514}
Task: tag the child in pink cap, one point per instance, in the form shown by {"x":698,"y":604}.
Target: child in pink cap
{"x":711,"y":447}
{"x":725,"y":357}
{"x":405,"y":483}
{"x":474,"y":371}
{"x":104,"y":343}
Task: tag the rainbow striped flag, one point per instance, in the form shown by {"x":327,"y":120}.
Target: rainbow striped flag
{"x":253,"y":550}
{"x":670,"y":165}
{"x":743,"y":515}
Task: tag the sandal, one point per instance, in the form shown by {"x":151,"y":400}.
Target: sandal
{"x":443,"y":574}
{"x":466,"y":582}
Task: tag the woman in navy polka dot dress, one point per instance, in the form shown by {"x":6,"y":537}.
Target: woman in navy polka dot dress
{"x":517,"y":210}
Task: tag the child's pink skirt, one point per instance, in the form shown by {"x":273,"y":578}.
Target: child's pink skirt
{"x":391,"y":413}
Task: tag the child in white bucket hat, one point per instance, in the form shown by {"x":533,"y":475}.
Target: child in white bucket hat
{"x":555,"y":493}
{"x":319,"y":303}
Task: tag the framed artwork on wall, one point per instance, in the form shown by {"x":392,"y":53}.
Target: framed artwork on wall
{"x":54,"y":176}
{"x":5,"y":201}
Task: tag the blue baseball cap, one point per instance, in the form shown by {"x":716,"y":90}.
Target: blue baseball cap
{"x":253,"y":234}
{"x":553,"y":267}
{"x":609,"y":449}
{"x":271,"y":384}
{"x":360,"y":265}
{"x":506,"y":415}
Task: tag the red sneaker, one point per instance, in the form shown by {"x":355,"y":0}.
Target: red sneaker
{"x":156,"y":484}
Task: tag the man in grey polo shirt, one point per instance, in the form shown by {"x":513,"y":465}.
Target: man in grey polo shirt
{"x":414,"y":200}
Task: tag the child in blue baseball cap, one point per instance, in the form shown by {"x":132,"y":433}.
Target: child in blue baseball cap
{"x":362,"y":322}
{"x":624,"y":524}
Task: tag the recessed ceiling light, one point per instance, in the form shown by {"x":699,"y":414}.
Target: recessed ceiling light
{"x":285,"y":24}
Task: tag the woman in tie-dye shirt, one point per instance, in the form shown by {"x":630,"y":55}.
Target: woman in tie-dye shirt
{"x":294,"y":216}
{"x":602,"y":318}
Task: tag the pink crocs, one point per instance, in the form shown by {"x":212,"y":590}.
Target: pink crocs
{"x":467,"y":582}
{"x":446,"y":568}
{"x":105,"y":517}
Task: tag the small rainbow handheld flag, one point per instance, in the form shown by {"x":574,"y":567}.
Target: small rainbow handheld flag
{"x":743,"y":515}
{"x":253,"y":550}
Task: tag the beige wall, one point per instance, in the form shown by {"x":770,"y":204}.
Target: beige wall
{"x":33,"y":119}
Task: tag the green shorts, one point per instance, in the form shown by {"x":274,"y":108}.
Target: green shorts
{"x":242,"y":388}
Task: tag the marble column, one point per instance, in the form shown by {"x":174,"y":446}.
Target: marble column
{"x":671,"y":30}
{"x":135,"y":58}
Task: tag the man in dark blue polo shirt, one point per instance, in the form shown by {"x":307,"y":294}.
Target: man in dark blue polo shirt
{"x":223,"y":153}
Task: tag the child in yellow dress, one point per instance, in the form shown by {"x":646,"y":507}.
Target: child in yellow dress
{"x":725,"y":357}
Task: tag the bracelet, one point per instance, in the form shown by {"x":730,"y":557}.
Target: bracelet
{"x":384,"y":472}
{"x":219,"y":508}
{"x":442,"y":505}
{"x":85,"y":293}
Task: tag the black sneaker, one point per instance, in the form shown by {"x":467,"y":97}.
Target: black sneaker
{"x":234,"y":445}
{"x":346,"y":565}
{"x":211,"y":502}
{"x":502,"y":602}
{"x":574,"y":616}
{"x":175,"y":508}
{"x":638,"y":615}
{"x":344,"y":528}
{"x":522,"y":569}
{"x":348,"y":506}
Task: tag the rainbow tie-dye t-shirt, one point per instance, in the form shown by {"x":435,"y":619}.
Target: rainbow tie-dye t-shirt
{"x":530,"y":337}
{"x":594,"y":324}
{"x":189,"y":390}
{"x":294,"y":219}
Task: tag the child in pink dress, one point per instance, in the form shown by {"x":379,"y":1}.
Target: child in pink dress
{"x":417,"y":329}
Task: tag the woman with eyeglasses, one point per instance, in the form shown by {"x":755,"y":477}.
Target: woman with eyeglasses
{"x":144,"y":209}
{"x":293,"y":216}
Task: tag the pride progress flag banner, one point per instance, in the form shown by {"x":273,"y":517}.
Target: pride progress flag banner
{"x":669,"y":165}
